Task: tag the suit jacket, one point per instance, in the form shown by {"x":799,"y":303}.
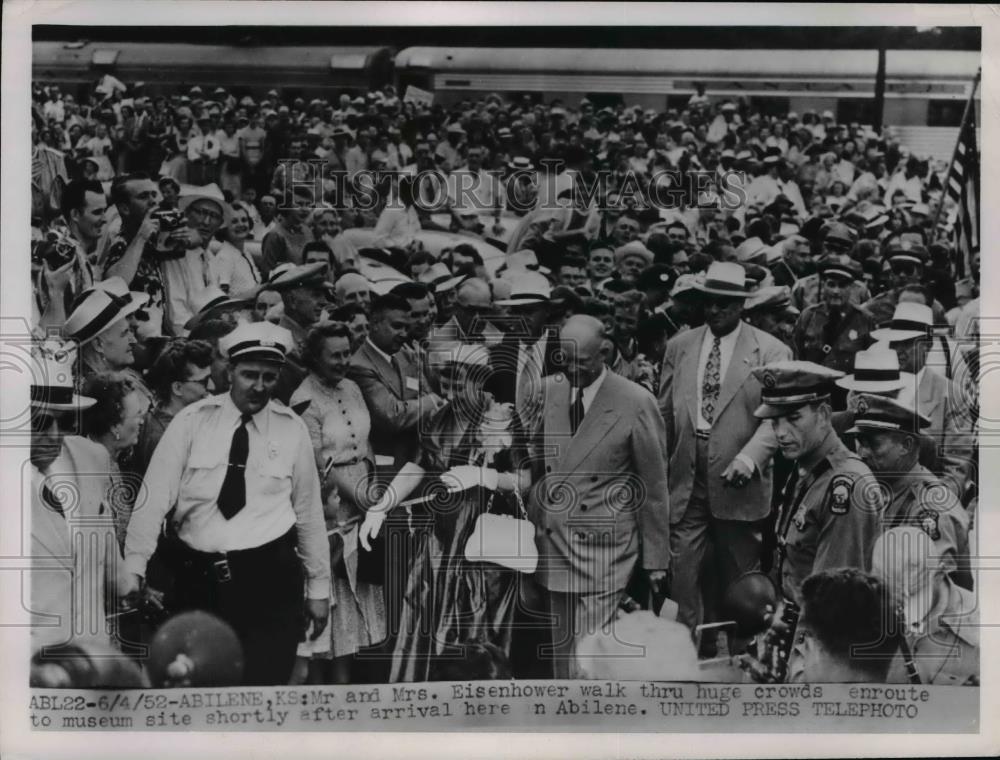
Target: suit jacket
{"x":943,"y":402}
{"x":601,"y":497}
{"x":734,"y":431}
{"x":397,"y":402}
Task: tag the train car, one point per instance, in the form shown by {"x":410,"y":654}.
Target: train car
{"x":923,"y":87}
{"x":305,"y":70}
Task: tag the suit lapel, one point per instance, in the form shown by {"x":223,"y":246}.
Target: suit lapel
{"x":390,"y":378}
{"x":743,"y":358}
{"x":556,"y":421}
{"x":598,"y":420}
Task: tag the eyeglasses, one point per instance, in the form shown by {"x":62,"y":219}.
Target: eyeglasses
{"x":203,"y":382}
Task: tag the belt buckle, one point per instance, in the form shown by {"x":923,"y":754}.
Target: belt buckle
{"x":223,"y":573}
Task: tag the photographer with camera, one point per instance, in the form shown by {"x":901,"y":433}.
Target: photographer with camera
{"x":131,"y":255}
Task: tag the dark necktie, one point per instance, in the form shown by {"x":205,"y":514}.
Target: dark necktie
{"x":831,"y":330}
{"x":233,"y":496}
{"x":52,"y":501}
{"x":576,"y":412}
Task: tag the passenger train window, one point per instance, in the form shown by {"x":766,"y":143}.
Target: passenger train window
{"x":945,"y":113}
{"x":770,"y":106}
{"x":851,"y":110}
{"x":605,"y":99}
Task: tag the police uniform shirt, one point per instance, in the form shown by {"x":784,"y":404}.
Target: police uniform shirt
{"x":833,"y":519}
{"x":945,"y":645}
{"x":853,"y":335}
{"x":920,"y":499}
{"x":282,"y":488}
{"x":805,"y":292}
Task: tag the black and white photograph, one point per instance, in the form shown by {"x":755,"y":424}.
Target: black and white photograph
{"x":375,"y":368}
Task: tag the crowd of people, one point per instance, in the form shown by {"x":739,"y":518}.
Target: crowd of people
{"x":717,"y":342}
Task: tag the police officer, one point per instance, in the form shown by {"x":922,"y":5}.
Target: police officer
{"x":239,"y":472}
{"x":887,"y":432}
{"x":908,"y":261}
{"x":832,"y":331}
{"x":836,"y":239}
{"x":830,"y":507}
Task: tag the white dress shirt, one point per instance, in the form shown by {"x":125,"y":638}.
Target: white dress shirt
{"x":187,"y":471}
{"x":727,"y":344}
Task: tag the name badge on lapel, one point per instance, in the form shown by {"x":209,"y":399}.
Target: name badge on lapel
{"x":412,"y":384}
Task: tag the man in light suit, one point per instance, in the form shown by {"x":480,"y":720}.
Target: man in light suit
{"x":719,"y":453}
{"x":600,"y":505}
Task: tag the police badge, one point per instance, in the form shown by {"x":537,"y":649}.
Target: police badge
{"x":840,"y":494}
{"x":929,"y":523}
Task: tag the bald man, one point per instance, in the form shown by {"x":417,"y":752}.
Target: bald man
{"x":600,"y":501}
{"x":940,"y":619}
{"x":470,"y":322}
{"x":353,"y":288}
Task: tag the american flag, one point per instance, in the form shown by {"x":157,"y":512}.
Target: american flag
{"x":963,"y":189}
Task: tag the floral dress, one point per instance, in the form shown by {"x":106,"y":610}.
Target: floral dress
{"x":449,"y":600}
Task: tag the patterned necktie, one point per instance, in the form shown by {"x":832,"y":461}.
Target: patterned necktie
{"x":233,"y":496}
{"x":576,"y":412}
{"x":711,"y":383}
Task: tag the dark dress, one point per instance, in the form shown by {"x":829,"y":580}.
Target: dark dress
{"x":449,"y":600}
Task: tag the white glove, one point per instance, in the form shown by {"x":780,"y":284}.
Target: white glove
{"x":370,"y":527}
{"x":466,"y":476}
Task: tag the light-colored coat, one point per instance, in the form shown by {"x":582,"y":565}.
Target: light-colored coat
{"x":734,"y":431}
{"x":602,"y":495}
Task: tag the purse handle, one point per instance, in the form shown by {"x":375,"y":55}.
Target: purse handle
{"x":520,"y":502}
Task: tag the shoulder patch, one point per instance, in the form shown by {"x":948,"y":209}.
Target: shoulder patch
{"x":840,"y":494}
{"x":928,"y":520}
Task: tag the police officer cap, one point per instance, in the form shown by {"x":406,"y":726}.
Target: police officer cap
{"x":840,"y":266}
{"x":906,"y":250}
{"x":873,"y":412}
{"x":256,"y":342}
{"x":788,"y":385}
{"x":840,"y":232}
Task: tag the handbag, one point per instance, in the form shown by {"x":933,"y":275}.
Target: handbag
{"x":504,"y":540}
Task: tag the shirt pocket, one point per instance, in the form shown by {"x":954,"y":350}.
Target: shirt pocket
{"x":206,"y":470}
{"x":272,"y":477}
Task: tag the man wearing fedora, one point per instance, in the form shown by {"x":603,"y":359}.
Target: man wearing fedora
{"x":832,"y":331}
{"x":720,"y":453}
{"x":934,"y":396}
{"x":887,"y":434}
{"x":238,"y":472}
